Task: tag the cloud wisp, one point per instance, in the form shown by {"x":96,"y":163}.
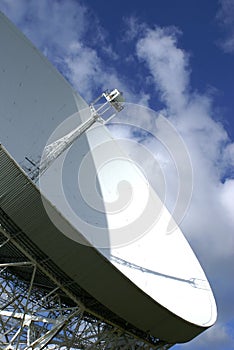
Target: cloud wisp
{"x":225,"y":18}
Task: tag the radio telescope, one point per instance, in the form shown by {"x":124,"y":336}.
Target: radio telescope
{"x":64,"y":286}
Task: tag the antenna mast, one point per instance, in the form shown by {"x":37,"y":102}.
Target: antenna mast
{"x":113,"y":104}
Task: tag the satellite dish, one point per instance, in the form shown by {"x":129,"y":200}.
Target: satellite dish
{"x":147,"y":277}
{"x":160,"y":265}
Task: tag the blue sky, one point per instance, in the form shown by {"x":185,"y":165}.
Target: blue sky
{"x":176,"y":57}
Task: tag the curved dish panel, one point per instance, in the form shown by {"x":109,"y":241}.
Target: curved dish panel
{"x":150,"y":273}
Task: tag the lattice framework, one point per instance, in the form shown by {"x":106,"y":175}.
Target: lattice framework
{"x":34,"y":316}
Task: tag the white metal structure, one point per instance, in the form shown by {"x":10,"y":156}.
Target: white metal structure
{"x":56,"y":148}
{"x":155,"y":275}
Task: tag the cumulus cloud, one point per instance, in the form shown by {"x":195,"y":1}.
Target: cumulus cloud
{"x":208,"y":225}
{"x":167,"y":65}
{"x":87,"y":71}
{"x":225,"y":17}
{"x":66,"y":24}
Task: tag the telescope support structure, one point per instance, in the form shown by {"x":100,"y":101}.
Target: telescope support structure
{"x":33,"y":316}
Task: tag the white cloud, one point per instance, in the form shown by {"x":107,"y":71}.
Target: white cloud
{"x":225,"y":17}
{"x":227,"y":197}
{"x":216,"y":338}
{"x":66,"y":21}
{"x":167,"y":64}
{"x":133,"y":28}
{"x":209,"y":224}
{"x":230,"y":154}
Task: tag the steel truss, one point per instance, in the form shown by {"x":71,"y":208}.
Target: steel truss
{"x":37,"y":316}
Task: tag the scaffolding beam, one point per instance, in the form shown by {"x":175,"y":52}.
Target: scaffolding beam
{"x":37,"y":317}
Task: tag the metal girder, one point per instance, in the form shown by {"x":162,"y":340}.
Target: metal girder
{"x":33,"y":316}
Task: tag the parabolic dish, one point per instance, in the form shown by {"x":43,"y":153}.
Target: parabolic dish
{"x":146,"y":276}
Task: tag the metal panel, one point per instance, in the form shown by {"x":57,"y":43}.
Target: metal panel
{"x":35,"y":98}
